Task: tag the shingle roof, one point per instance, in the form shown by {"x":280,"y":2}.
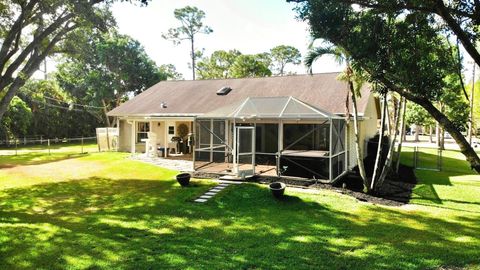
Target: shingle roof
{"x":323,"y":91}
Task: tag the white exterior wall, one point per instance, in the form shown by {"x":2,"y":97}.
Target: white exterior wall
{"x":157,"y":125}
{"x":368,"y":127}
{"x":124,"y":136}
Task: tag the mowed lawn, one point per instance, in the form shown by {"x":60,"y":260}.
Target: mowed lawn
{"x":104,"y":211}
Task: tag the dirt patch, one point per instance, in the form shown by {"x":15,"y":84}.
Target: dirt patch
{"x":56,"y":171}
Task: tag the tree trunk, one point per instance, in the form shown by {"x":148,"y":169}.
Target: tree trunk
{"x":105,"y":111}
{"x":417,"y":132}
{"x":437,"y":134}
{"x":193,"y":59}
{"x":380,"y":141}
{"x":456,"y":28}
{"x":361,"y":166}
{"x":388,"y":162}
{"x":402,"y":132}
{"x":442,"y":139}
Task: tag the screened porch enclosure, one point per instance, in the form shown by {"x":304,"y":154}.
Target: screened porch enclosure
{"x":271,"y":136}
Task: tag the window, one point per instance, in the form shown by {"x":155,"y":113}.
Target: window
{"x":142,"y":130}
{"x":171,"y":130}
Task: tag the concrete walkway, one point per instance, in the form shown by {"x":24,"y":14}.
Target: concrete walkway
{"x":215,"y":190}
{"x":176,"y":165}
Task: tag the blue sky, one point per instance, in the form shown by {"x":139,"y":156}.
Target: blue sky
{"x":251,"y":26}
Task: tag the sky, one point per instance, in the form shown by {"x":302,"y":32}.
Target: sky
{"x":250,"y":26}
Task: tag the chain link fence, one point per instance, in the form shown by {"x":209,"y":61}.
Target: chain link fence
{"x":49,"y":146}
{"x":423,"y":158}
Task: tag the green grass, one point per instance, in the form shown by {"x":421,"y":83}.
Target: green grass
{"x":38,"y":154}
{"x":109,"y":212}
{"x":455,"y":187}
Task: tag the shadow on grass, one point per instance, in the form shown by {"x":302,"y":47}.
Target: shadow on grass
{"x":430,"y":182}
{"x":36,"y":158}
{"x":145,"y":224}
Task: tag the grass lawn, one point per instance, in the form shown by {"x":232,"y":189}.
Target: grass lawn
{"x":103,"y":211}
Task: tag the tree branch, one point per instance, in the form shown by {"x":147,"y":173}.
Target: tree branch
{"x":14,"y":35}
{"x":36,"y":41}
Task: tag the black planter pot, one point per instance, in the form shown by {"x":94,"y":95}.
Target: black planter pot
{"x":277,"y":188}
{"x":183,"y":179}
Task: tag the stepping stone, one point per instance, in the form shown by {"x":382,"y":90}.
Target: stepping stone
{"x":205,"y":196}
{"x":215,"y":190}
{"x":200,"y":200}
{"x":219,"y":187}
{"x":211,"y":193}
{"x":224,"y":184}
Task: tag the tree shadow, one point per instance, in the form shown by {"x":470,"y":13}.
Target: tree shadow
{"x":145,"y":224}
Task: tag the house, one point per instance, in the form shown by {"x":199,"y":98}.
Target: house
{"x":289,"y":125}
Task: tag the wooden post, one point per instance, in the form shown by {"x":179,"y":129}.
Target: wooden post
{"x":41,"y":139}
{"x":82,"y":146}
{"x":48,"y":145}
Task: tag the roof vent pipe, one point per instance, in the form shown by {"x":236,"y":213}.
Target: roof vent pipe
{"x":224,"y":91}
{"x":163,"y":105}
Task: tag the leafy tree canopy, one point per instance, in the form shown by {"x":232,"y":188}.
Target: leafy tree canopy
{"x":233,"y":64}
{"x":218,"y":65}
{"x":107,"y":70}
{"x":31,"y":30}
{"x":282,"y":55}
{"x":405,"y":52}
{"x":16,"y":120}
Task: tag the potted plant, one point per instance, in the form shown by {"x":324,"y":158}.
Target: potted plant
{"x":183,"y":179}
{"x":277,"y":188}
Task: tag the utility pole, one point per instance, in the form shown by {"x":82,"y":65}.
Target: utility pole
{"x":470,"y":120}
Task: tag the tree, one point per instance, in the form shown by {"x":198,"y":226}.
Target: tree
{"x":107,"y":70}
{"x":55,"y":113}
{"x":403,"y":52}
{"x":418,"y":116}
{"x":282,"y":55}
{"x":354,"y":86}
{"x":218,"y":65}
{"x":233,"y":64}
{"x":459,"y":17}
{"x":17,"y":119}
{"x":191,"y":24}
{"x":250,"y":66}
{"x":31,"y":30}
{"x":170,"y":71}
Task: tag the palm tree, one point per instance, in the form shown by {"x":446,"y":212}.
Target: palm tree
{"x":355,"y":81}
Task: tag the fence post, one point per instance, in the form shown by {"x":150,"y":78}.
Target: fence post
{"x":41,"y":139}
{"x":48,"y":144}
{"x":440,"y":160}
{"x":82,"y":146}
{"x":24,"y":140}
{"x":16,"y":147}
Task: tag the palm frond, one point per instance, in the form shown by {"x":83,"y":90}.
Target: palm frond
{"x":314,"y":53}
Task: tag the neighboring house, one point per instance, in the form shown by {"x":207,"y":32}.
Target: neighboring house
{"x":289,"y":125}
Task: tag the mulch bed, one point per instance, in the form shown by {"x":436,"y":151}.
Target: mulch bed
{"x":396,"y":191}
